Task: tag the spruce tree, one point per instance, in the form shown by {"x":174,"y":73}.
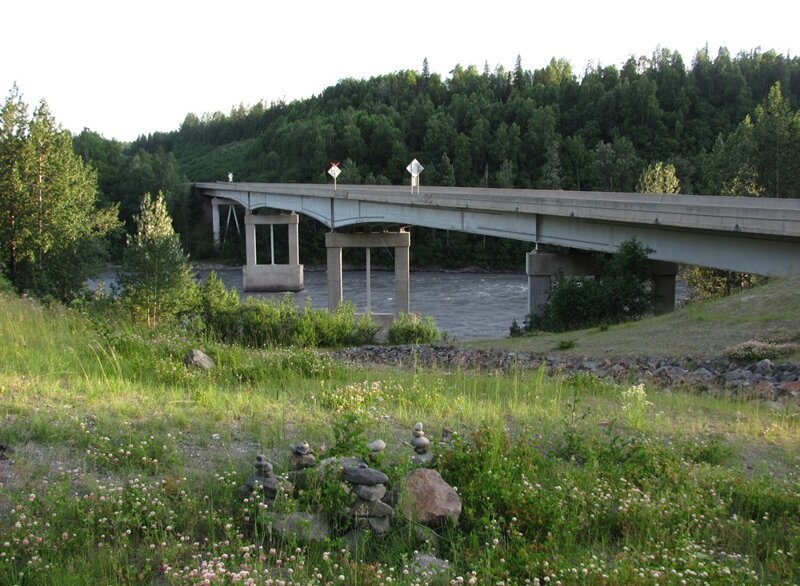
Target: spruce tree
{"x":53,"y":234}
{"x":156,"y":277}
{"x":13,"y":130}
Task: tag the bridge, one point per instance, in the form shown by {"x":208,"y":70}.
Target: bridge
{"x":752,"y":235}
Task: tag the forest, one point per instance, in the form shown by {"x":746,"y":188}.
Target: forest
{"x":721,"y":125}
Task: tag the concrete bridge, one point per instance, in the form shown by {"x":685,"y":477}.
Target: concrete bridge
{"x":753,"y":235}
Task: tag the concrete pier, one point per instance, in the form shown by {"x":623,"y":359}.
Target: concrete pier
{"x":399,"y":241}
{"x":272,"y":276}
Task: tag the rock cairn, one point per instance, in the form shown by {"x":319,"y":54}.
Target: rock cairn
{"x":301,"y":459}
{"x":265,"y":482}
{"x":421,"y":445}
{"x":369,"y":486}
{"x":375,"y":449}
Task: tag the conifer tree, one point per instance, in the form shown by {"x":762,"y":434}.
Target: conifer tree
{"x":54,"y":235}
{"x":156,"y":277}
{"x":13,"y":130}
{"x":551,"y":171}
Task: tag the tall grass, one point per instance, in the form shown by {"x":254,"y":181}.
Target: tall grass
{"x":127,"y":467}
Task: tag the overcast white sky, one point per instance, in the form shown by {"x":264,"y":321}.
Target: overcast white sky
{"x":127,"y":68}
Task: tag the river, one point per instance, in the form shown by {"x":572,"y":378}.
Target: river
{"x":468,"y":306}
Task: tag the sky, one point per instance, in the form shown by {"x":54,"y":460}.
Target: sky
{"x":124,"y":68}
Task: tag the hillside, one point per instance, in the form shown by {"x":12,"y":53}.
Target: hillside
{"x":770,"y":312}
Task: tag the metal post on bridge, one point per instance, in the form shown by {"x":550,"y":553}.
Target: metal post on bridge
{"x":415,"y":168}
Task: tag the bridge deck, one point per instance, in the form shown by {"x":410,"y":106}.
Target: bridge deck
{"x":760,"y":235}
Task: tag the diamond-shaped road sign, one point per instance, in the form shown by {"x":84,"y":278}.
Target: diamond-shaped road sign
{"x":334,"y":171}
{"x":415,"y":168}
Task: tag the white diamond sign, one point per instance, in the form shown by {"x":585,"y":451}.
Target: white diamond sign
{"x":415,"y":168}
{"x":334,"y":172}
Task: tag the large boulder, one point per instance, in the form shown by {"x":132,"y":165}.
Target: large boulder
{"x":198,"y":359}
{"x":427,"y":499}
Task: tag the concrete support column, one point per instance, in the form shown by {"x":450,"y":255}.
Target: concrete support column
{"x":400,"y":241}
{"x":215,"y":221}
{"x":663,"y":275}
{"x":402,"y":281}
{"x":272,"y":277}
{"x":250,"y":240}
{"x":335,"y":294}
{"x":294,"y":241}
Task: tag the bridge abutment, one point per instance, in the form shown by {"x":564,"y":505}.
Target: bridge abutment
{"x":273,"y":276}
{"x":541,"y":267}
{"x":399,"y":241}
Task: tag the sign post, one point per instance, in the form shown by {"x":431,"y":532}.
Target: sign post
{"x":415,"y":168}
{"x":334,"y":172}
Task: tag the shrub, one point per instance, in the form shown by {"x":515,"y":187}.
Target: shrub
{"x":5,"y":285}
{"x":703,"y":283}
{"x":755,"y":350}
{"x":412,"y":329}
{"x":620,"y":292}
{"x":258,"y":323}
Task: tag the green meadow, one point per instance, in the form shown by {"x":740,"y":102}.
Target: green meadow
{"x":122,"y":466}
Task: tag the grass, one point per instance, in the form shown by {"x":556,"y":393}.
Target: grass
{"x":770,"y":312}
{"x":127,"y":467}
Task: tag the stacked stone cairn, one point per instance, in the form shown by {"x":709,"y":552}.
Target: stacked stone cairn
{"x":369,"y":486}
{"x":375,"y":449}
{"x":421,"y":445}
{"x":265,"y":482}
{"x":301,"y":459}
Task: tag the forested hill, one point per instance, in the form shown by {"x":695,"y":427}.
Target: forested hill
{"x":719,"y":125}
{"x":545,"y":128}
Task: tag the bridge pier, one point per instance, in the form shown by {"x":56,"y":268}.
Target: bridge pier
{"x":400,"y":241}
{"x":541,"y":267}
{"x":663,"y":276}
{"x":215,"y":220}
{"x":272,"y":277}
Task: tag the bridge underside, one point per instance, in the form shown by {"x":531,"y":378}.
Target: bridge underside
{"x":742,"y":252}
{"x":735,"y":234}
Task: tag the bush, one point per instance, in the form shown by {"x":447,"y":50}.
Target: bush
{"x":703,"y":283}
{"x":5,"y":285}
{"x":621,"y":292}
{"x":412,"y":329}
{"x":755,"y":350}
{"x":258,"y":323}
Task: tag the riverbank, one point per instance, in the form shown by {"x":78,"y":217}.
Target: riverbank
{"x":775,"y":383}
{"x":746,"y":346}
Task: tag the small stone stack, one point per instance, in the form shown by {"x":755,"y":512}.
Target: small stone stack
{"x":302,"y":458}
{"x":375,"y":449}
{"x":264,"y":480}
{"x":421,"y":445}
{"x":368,"y":486}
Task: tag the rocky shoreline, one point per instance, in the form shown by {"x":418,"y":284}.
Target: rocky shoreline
{"x":776,"y":384}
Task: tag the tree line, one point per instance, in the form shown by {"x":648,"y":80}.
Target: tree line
{"x":726,"y":125}
{"x":723,"y":125}
{"x":548,"y":128}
